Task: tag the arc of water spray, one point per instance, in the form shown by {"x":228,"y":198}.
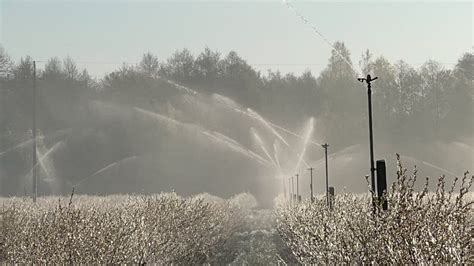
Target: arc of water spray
{"x":315,"y":29}
{"x":294,"y":134}
{"x":24,"y":143}
{"x":38,"y":138}
{"x":305,"y":143}
{"x":43,"y":166}
{"x":262,"y":145}
{"x":105,"y":169}
{"x":279,"y":127}
{"x":255,"y":115}
{"x":430,"y":165}
{"x":227,"y":138}
{"x":41,"y":157}
{"x":265,"y":123}
{"x":159,"y":116}
{"x":178,"y":86}
{"x":439,"y":168}
{"x":258,"y":157}
{"x":233,"y":144}
{"x":275,"y":153}
{"x":335,"y":154}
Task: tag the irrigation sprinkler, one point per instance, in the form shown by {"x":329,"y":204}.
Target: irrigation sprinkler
{"x":34,"y":174}
{"x":325,"y":146}
{"x":369,"y":80}
{"x":311,"y":183}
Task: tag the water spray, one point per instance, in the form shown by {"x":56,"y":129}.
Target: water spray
{"x":47,"y":153}
{"x":105,"y":169}
{"x":217,"y":136}
{"x":275,"y":154}
{"x":315,"y":29}
{"x":235,"y":146}
{"x":178,"y":86}
{"x":262,"y":145}
{"x":38,"y":138}
{"x":430,"y":165}
{"x":265,"y":123}
{"x":305,"y":144}
{"x":278,"y":127}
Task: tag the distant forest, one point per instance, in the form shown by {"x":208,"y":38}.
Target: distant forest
{"x":411,"y":104}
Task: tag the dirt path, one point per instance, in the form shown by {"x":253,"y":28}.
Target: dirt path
{"x":257,"y":243}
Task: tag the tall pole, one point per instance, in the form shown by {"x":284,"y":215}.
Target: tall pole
{"x":325,"y":146}
{"x":289,"y":188}
{"x":311,"y":184}
{"x":35,"y":190}
{"x":283,"y":187}
{"x":369,"y":80}
{"x":297,"y":188}
{"x":292,"y":189}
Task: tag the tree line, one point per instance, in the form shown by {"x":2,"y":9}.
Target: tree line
{"x":411,"y":104}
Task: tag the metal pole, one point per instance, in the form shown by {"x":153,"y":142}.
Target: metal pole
{"x":297,"y":187}
{"x":369,"y":80}
{"x":283,"y":187}
{"x":289,"y":188}
{"x":35,"y":184}
{"x":292,"y":189}
{"x":311,"y":184}
{"x":371,"y":137}
{"x":325,"y":146}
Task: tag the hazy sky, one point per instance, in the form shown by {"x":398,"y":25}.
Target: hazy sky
{"x":100,"y":35}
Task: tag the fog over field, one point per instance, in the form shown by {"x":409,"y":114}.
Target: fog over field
{"x":236,"y":132}
{"x":209,"y":121}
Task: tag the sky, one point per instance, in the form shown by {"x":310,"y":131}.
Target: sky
{"x":101,"y":35}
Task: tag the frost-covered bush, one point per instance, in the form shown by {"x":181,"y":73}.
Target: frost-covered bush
{"x":244,"y":201}
{"x":164,"y":229}
{"x":419,"y":227}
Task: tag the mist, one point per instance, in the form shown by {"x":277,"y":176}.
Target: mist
{"x":212,"y":123}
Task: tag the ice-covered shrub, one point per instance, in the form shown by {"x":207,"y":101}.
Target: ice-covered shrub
{"x":163,"y":229}
{"x":419,"y":227}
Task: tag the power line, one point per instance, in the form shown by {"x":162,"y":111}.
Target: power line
{"x":252,"y":64}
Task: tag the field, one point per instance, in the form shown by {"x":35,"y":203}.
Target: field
{"x":419,"y":227}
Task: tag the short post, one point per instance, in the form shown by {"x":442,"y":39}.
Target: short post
{"x":381,"y":184}
{"x":311,"y":169}
{"x":331,"y":198}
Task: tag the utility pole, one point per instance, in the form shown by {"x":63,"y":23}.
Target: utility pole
{"x":325,"y":146}
{"x":297,"y":188}
{"x":311,"y":184}
{"x":369,"y":80}
{"x":35,"y":183}
{"x":289,"y":188}
{"x":283,"y":187}
{"x":292,"y":190}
